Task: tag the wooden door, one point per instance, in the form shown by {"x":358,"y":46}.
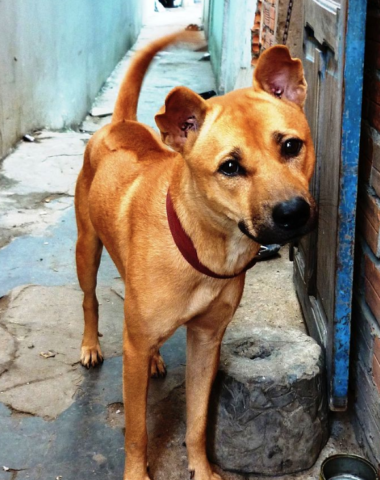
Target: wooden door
{"x":333,"y":51}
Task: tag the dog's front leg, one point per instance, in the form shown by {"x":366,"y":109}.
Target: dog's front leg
{"x":203,"y":351}
{"x":136,"y":372}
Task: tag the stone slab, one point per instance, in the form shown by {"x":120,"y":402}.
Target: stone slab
{"x":38,"y":320}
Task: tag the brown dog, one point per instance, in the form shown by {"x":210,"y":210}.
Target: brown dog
{"x":183,"y":226}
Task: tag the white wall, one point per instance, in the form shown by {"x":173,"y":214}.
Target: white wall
{"x":55,"y":56}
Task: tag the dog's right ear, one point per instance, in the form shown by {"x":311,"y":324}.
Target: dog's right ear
{"x":181,"y":118}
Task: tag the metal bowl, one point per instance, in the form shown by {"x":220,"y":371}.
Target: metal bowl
{"x":347,"y":467}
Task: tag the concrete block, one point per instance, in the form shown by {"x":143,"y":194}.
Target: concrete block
{"x":268,"y":412}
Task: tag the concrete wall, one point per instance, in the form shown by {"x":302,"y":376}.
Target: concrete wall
{"x":229,"y":35}
{"x":55,"y":56}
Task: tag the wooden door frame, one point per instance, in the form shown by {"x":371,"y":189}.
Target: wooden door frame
{"x":335,"y":337}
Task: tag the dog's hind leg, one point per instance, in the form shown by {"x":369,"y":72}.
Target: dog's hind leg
{"x":157,"y":366}
{"x":88,"y":254}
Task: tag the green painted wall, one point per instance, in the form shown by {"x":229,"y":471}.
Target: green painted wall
{"x":228,"y":27}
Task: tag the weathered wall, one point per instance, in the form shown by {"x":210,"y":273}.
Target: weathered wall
{"x":294,"y":41}
{"x":206,"y":12}
{"x":215,"y":29}
{"x":366,"y":311}
{"x":239,"y":31}
{"x":229,"y":35}
{"x":269,"y":27}
{"x":55,"y":56}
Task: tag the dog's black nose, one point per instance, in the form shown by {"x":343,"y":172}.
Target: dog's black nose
{"x":291,"y":214}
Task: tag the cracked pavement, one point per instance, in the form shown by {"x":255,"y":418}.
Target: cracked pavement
{"x":58,"y":420}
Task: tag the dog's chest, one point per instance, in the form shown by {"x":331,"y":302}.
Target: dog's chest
{"x":212,"y":296}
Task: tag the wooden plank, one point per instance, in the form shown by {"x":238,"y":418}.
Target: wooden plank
{"x":329,"y":165}
{"x":308,"y":245}
{"x":326,"y":28}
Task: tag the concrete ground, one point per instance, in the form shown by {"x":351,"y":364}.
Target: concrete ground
{"x":58,"y":420}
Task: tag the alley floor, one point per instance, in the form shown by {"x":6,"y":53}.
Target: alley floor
{"x":57,"y":419}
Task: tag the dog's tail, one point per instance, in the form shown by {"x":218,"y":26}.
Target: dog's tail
{"x":127,"y":100}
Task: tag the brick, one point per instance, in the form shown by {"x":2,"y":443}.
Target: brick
{"x":376,"y":348}
{"x":257,"y":21}
{"x":370,"y":145}
{"x":365,"y":107}
{"x":269,"y":15}
{"x":371,"y":88}
{"x":367,"y":410}
{"x":266,"y":13}
{"x":374,"y":114}
{"x":375,"y":180}
{"x":372,"y":54}
{"x":366,"y":142}
{"x":376,"y":156}
{"x":368,"y":231}
{"x":372,"y":273}
{"x":372,"y":299}
{"x":256,"y":48}
{"x":365,"y":167}
{"x":255,"y":38}
{"x":267,"y":39}
{"x":272,"y":24}
{"x":376,"y":372}
{"x":371,"y":208}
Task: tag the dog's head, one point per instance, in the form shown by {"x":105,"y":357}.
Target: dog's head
{"x":250,"y":152}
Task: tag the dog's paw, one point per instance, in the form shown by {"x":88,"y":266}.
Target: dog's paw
{"x":211,"y":476}
{"x":91,"y":356}
{"x":157,"y":367}
{"x":203,"y":473}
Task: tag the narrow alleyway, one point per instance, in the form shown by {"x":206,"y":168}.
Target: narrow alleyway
{"x":58,"y":420}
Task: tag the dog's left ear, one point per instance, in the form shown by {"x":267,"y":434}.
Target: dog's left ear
{"x":181,"y":118}
{"x":281,"y":75}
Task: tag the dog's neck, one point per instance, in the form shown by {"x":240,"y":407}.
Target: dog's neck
{"x":202,"y":241}
{"x":186,"y":246}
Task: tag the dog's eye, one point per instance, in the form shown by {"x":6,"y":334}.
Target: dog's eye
{"x":291,"y":147}
{"x":231,"y":168}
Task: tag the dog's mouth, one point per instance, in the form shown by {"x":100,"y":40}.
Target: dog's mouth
{"x":244,"y":229}
{"x":270,"y":235}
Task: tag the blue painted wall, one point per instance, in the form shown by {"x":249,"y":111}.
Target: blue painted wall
{"x":55,"y":56}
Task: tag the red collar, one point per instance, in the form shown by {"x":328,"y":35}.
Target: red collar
{"x":186,"y":246}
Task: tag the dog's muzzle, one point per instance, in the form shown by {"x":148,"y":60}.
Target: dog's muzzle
{"x":288,"y":221}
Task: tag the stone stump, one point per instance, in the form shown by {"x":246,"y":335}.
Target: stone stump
{"x":268,"y":409}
